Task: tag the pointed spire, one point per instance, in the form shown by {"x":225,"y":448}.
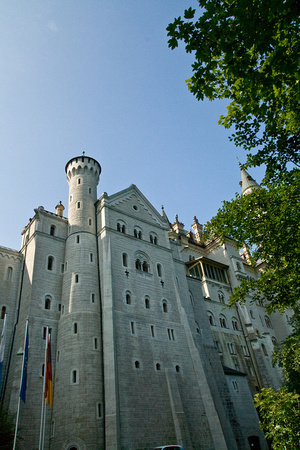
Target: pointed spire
{"x":247,"y":183}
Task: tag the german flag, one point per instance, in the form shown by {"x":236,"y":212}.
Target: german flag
{"x":48,"y":381}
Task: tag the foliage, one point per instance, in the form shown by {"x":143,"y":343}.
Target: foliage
{"x":267,"y":221}
{"x":280,"y":414}
{"x":7,"y":430}
{"x":248,"y":51}
{"x":287,"y":355}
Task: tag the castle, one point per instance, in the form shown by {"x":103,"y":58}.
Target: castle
{"x":144,"y":350}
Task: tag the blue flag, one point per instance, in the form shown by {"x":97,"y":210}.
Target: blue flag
{"x":24,"y":373}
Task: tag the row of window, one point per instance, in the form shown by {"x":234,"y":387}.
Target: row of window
{"x":61,"y":308}
{"x":170,"y":332}
{"x":223,"y":321}
{"x":267,"y":320}
{"x":231,"y":348}
{"x":128,"y":301}
{"x":201,"y":269}
{"x":137,"y":232}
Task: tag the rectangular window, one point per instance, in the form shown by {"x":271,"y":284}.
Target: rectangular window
{"x":152,"y":330}
{"x":91,"y":257}
{"x":132,"y":327}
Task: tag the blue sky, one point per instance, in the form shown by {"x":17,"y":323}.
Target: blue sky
{"x":98,"y":76}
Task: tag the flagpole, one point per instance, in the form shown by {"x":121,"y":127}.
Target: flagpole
{"x":45,"y":399}
{"x":41,"y":442}
{"x":18,"y":411}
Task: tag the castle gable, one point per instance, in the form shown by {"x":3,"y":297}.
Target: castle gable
{"x":133,"y":203}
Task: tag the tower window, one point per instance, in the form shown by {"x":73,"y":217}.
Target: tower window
{"x":147,"y":303}
{"x":75,"y":328}
{"x":137,"y":364}
{"x":45,"y":332}
{"x":78,"y":205}
{"x":93,"y":298}
{"x":158,"y":367}
{"x":48,"y":302}
{"x":125,"y":259}
{"x":165,"y":306}
{"x":91,"y":257}
{"x":9,"y":273}
{"x":90,"y":222}
{"x":177,"y":368}
{"x":132,"y":327}
{"x":90,"y":190}
{"x":152,"y":329}
{"x":79,"y":181}
{"x":52,"y":230}
{"x":95,"y":343}
{"x":76,"y":278}
{"x":77,"y":239}
{"x":128,"y":299}
{"x":50,"y":263}
{"x":74,"y":377}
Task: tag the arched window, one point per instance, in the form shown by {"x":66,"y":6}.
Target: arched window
{"x":147,"y":303}
{"x":9,"y":273}
{"x":142,"y":262}
{"x":48,"y":302}
{"x":50,"y":263}
{"x":52,"y":230}
{"x":221,"y":297}
{"x":223,"y":322}
{"x":165,"y":306}
{"x":153,"y":238}
{"x":268,"y":322}
{"x":137,"y":232}
{"x":137,"y":364}
{"x":211,"y":318}
{"x":138,"y":264}
{"x":121,"y":227}
{"x":235,"y":324}
{"x":159,"y":270}
{"x":128,"y":298}
{"x":125,"y":259}
{"x":145,"y":266}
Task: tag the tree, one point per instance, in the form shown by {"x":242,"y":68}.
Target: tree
{"x":280,"y":413}
{"x":7,"y":430}
{"x":248,"y":51}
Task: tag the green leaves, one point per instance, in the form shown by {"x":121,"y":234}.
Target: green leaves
{"x":280,"y":417}
{"x":249,"y":52}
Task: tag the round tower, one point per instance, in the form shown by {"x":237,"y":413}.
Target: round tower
{"x":78,"y":399}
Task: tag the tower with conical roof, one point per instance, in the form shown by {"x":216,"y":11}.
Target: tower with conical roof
{"x":247,"y":183}
{"x":78,"y":399}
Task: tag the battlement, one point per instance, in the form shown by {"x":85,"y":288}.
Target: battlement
{"x":80,"y":164}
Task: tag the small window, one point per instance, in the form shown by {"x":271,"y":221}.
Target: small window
{"x":90,"y":190}
{"x":145,"y":266}
{"x":50,"y":263}
{"x":171,"y":335}
{"x":91,"y":257}
{"x":159,"y":270}
{"x":52,"y":230}
{"x":165,"y":306}
{"x":158,"y":367}
{"x":3,"y":311}
{"x":45,"y":332}
{"x":147,"y":303}
{"x":137,"y":364}
{"x":57,"y":356}
{"x":90,"y":222}
{"x":95,"y":343}
{"x":77,"y":239}
{"x":128,"y":299}
{"x":132,"y":327}
{"x":93,"y":298}
{"x":221,"y":297}
{"x":99,"y":410}
{"x":152,"y":329}
{"x":76,"y":278}
{"x":125,"y":259}
{"x":121,"y":227}
{"x":251,"y":314}
{"x":75,"y":328}
{"x":9,"y":273}
{"x":138,"y":264}
{"x":78,"y":205}
{"x":74,"y":377}
{"x":268,"y":322}
{"x":177,"y":368}
{"x":62,"y":309}
{"x":235,"y":325}
{"x":235,"y":386}
{"x":211,"y":318}
{"x":48,"y":302}
{"x":79,"y":181}
{"x":71,"y":198}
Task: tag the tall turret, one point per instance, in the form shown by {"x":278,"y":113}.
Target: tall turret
{"x":78,"y":402}
{"x":247,"y":183}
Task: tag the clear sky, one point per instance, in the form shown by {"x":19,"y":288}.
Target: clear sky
{"x":98,"y":76}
